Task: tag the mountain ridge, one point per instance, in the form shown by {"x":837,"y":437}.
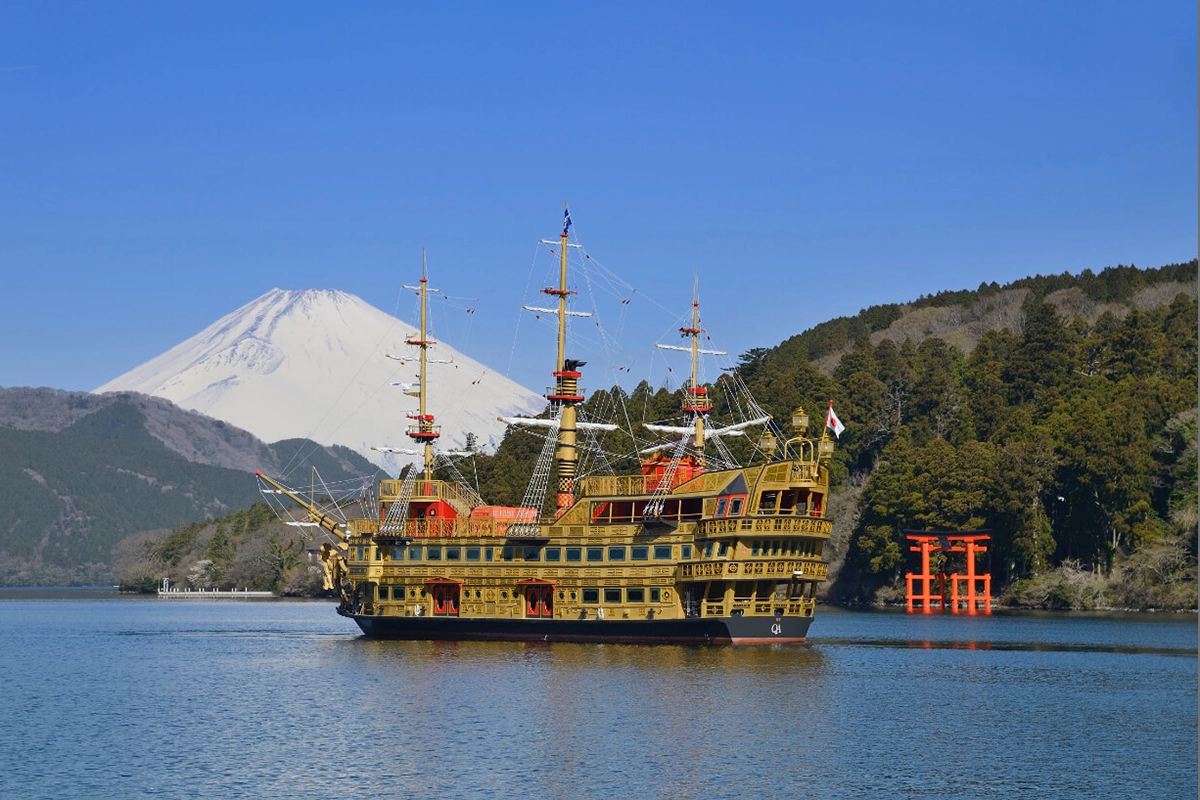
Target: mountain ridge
{"x":323,"y":365}
{"x":82,"y":472}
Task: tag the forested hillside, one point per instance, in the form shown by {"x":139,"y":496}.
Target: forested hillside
{"x":81,"y":473}
{"x":247,"y":549}
{"x":1060,"y":412}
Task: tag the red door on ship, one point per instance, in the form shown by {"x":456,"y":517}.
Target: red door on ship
{"x":539,"y":601}
{"x":445,"y":600}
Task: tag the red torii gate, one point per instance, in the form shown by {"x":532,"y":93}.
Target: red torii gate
{"x":978,"y":586}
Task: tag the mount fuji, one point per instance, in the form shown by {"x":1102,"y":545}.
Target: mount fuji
{"x":313,"y":364}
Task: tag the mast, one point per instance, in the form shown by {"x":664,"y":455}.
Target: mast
{"x":696,"y":402}
{"x":424,"y":431}
{"x":566,"y":393}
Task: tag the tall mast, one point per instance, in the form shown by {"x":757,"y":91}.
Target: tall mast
{"x":562,"y":291}
{"x":696,"y":402}
{"x":424,"y":431}
{"x":566,"y":393}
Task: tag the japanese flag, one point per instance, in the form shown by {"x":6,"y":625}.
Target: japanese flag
{"x":832,"y":421}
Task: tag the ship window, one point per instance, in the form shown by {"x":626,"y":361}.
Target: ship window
{"x":591,"y":595}
{"x":639,"y":553}
{"x":453,"y":553}
{"x":635,"y":595}
{"x":572,"y":595}
{"x":574,"y":554}
{"x":503,"y":595}
{"x":397,"y":554}
{"x":478,"y":594}
{"x":360,"y":554}
{"x":721,"y":507}
{"x":662,"y":552}
{"x":735,"y":506}
{"x":655,"y":595}
{"x":435,"y":554}
{"x":775,"y":547}
{"x":488,"y":554}
{"x":595,"y":554}
{"x":708,"y":550}
{"x":553,"y":554}
{"x":533,"y":554}
{"x":378,"y":557}
{"x":612,"y":595}
{"x":383,"y":593}
{"x":472,"y":554}
{"x":616,"y":554}
{"x":722,"y":549}
{"x":507,"y":554}
{"x":414,"y":553}
{"x":754,"y":547}
{"x":687,"y":551}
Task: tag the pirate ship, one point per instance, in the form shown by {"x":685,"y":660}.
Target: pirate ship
{"x":690,"y":548}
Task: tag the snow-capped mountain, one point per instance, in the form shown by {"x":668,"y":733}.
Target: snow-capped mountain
{"x":313,"y":363}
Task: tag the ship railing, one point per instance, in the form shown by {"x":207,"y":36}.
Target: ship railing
{"x":709,"y":528}
{"x":389,"y":491}
{"x":438,"y":528}
{"x":804,"y":471}
{"x":616,"y":485}
{"x":808,"y":568}
{"x":794,"y":470}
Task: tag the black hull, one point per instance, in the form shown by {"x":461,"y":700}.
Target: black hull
{"x":708,"y":630}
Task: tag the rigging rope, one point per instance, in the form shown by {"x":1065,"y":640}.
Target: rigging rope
{"x":447,"y":462}
{"x":535,"y":493}
{"x":398,"y":513}
{"x":657,"y":503}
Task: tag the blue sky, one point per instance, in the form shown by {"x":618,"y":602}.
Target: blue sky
{"x":162,"y":164}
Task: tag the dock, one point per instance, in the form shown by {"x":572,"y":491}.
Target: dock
{"x":165,"y":591}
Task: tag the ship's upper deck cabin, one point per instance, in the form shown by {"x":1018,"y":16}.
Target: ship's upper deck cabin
{"x":794,"y":488}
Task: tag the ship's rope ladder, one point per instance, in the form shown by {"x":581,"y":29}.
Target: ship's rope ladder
{"x":397,"y":513}
{"x":539,"y":482}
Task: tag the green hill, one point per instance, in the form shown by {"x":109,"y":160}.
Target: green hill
{"x":70,"y":495}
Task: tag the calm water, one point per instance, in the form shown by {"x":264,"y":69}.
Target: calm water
{"x":117,"y":697}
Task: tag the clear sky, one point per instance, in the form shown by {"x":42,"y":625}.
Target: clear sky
{"x":162,"y":164}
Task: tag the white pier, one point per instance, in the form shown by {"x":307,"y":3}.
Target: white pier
{"x":165,"y":591}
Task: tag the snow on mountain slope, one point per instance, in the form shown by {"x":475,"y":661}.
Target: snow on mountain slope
{"x":312,"y":363}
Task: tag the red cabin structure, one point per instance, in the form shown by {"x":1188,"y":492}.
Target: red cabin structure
{"x":970,"y":593}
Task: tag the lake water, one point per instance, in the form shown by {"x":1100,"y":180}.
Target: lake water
{"x":109,"y":697}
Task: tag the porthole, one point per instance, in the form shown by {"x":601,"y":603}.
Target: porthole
{"x":666,"y":594}
{"x":503,"y":595}
{"x":572,"y":595}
